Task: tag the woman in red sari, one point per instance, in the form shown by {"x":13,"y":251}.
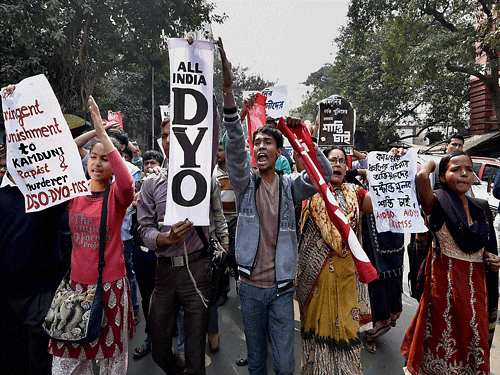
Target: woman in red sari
{"x":449,"y":333}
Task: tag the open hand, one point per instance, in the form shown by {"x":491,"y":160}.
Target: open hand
{"x":227,"y":74}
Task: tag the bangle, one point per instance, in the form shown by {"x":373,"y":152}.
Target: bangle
{"x":226,"y":93}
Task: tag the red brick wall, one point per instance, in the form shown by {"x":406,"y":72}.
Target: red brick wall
{"x":482,"y":115}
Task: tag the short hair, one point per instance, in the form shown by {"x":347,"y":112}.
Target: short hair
{"x":119,"y":135}
{"x":456,"y":136}
{"x":153,"y":154}
{"x":327,"y":151}
{"x":165,"y":122}
{"x":271,"y":121}
{"x":128,"y":152}
{"x":269,"y":130}
{"x":445,"y":160}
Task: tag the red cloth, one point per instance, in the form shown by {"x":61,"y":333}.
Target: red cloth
{"x":300,"y":139}
{"x":255,"y":119}
{"x":450,"y":328}
{"x":115,"y":117}
{"x":84,"y":222}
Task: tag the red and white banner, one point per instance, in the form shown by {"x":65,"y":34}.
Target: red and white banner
{"x":42,"y":156}
{"x":191,"y":129}
{"x":301,"y":142}
{"x":115,"y":117}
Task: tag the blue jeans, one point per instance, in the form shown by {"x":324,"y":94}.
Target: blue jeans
{"x":128,"y":250}
{"x":264,"y":310}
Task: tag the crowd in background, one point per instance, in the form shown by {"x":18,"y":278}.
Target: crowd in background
{"x":278,"y":243}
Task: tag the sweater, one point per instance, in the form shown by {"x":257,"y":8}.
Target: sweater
{"x":84,"y":222}
{"x":293,"y":189}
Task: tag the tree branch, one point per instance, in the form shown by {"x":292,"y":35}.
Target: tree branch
{"x":486,"y":10}
{"x":462,"y":69}
{"x":423,"y":128}
{"x":438,"y":16}
{"x":403,"y":114}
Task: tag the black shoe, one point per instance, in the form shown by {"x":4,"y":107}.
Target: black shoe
{"x":142,"y":350}
{"x":242,"y":362}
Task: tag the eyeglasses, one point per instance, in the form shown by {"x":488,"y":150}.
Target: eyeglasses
{"x":337,"y":160}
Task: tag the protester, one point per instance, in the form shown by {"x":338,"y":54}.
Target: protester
{"x":127,"y":237}
{"x":137,"y":159}
{"x":145,"y":260}
{"x":175,"y":284}
{"x":31,"y":267}
{"x":386,"y":252}
{"x":326,"y":281}
{"x":218,"y":230}
{"x":114,"y":131}
{"x":496,"y":194}
{"x":229,"y":207}
{"x":282,"y":163}
{"x":454,"y":142}
{"x":111,"y":348}
{"x":266,"y":254}
{"x":127,"y":155}
{"x":152,"y":159}
{"x":449,"y":333}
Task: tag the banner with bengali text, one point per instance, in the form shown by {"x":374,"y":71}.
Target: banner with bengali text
{"x":392,"y":189}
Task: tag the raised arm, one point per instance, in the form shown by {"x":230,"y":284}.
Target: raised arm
{"x":82,"y":139}
{"x":124,"y":181}
{"x":237,"y":162}
{"x":423,"y":184}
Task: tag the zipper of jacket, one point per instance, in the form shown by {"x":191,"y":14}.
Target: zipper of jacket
{"x":280,"y":188}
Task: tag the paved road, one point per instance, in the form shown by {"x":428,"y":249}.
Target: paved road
{"x":387,"y":360}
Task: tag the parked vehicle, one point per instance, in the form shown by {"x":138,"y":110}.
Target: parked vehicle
{"x":486,"y":169}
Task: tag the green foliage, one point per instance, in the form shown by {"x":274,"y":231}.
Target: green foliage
{"x":77,"y":42}
{"x":407,"y":62}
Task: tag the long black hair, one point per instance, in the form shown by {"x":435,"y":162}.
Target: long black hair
{"x":445,"y":160}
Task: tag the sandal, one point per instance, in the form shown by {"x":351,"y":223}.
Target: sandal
{"x":142,"y":350}
{"x":242,"y":362}
{"x":371,"y":346}
{"x":379,"y":332}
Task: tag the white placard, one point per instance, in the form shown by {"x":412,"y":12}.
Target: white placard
{"x":191,"y":129}
{"x":276,"y":103}
{"x":164,"y":112}
{"x":42,"y":156}
{"x":392,"y":189}
{"x":277,"y":100}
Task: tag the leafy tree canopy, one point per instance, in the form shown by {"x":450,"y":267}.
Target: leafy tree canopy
{"x":409,"y":61}
{"x":76,"y":42}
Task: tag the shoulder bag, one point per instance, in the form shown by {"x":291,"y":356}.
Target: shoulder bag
{"x":76,"y":317}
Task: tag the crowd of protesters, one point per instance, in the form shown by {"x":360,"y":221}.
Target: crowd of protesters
{"x":278,"y":243}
